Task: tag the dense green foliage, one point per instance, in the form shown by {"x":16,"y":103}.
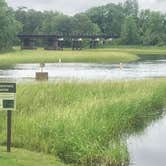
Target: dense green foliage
{"x":52,"y":22}
{"x":129,"y":34}
{"x":83,"y":123}
{"x":124,"y":20}
{"x":8,"y":26}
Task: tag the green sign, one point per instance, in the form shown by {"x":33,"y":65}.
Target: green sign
{"x":7,"y":96}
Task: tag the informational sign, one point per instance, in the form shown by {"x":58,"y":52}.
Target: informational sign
{"x":7,"y":96}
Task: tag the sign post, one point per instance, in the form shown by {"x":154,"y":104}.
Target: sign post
{"x":8,"y":103}
{"x":9,"y":122}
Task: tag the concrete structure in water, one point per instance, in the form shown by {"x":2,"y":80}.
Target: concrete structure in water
{"x":42,"y":76}
{"x":57,"y":41}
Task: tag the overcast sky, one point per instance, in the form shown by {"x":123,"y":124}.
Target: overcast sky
{"x":75,"y":6}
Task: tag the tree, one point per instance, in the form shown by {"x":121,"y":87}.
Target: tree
{"x":129,"y":32}
{"x":131,"y":8}
{"x":83,"y":24}
{"x":109,"y":18}
{"x":152,"y":27}
{"x":57,"y":23}
{"x":30,"y":19}
{"x":9,"y":27}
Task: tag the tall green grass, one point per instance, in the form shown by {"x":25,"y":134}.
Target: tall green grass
{"x":84,"y":123}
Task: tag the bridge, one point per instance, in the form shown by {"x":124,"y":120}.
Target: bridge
{"x":56,"y":41}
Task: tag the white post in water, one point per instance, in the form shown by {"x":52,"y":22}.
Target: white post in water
{"x":42,"y":65}
{"x":121,"y":66}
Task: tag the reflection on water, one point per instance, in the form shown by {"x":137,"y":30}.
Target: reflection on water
{"x":88,"y":71}
{"x":149,"y":149}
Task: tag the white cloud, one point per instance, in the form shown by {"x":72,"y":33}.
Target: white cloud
{"x":75,"y":6}
{"x":158,"y":5}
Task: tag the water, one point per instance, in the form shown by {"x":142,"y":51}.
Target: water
{"x":88,"y":71}
{"x":149,"y":149}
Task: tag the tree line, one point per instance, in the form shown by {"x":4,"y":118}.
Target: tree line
{"x":124,"y":20}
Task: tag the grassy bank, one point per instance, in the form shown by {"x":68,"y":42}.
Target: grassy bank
{"x":20,"y":157}
{"x":107,"y":55}
{"x":84,"y":123}
{"x":138,"y":50}
{"x":40,"y":55}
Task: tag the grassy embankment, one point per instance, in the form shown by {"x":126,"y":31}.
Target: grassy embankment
{"x":40,"y":55}
{"x":107,"y":55}
{"x":136,"y":50}
{"x":84,"y":123}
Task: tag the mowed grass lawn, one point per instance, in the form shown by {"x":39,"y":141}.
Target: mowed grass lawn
{"x":20,"y":157}
{"x":40,"y":55}
{"x":107,"y":55}
{"x":84,"y":123}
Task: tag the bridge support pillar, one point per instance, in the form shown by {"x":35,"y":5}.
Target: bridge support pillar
{"x":28,"y":43}
{"x":94,"y":43}
{"x":54,"y":44}
{"x":77,"y":44}
{"x":60,"y":43}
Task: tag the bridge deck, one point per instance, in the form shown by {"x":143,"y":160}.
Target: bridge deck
{"x":86,"y":36}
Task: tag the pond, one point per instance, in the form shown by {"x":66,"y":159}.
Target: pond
{"x":148,"y":67}
{"x":149,"y":148}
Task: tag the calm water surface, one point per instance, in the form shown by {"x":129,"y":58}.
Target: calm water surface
{"x":149,"y":148}
{"x":88,"y":71}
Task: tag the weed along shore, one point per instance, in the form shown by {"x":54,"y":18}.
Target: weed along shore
{"x":84,"y":123}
